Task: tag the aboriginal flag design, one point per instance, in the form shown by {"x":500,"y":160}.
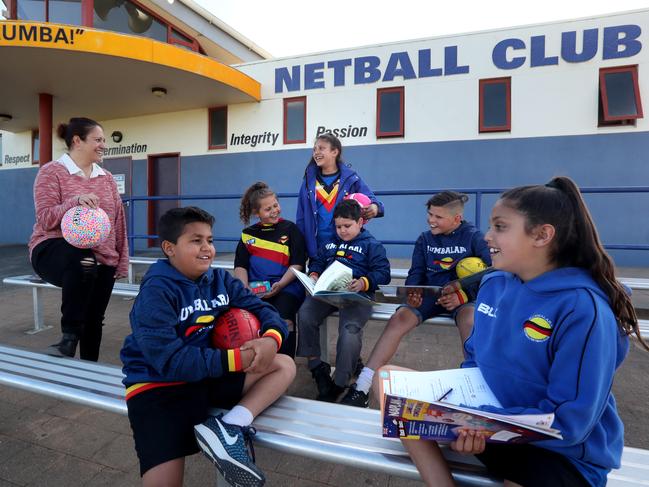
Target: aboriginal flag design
{"x":537,"y":329}
{"x":445,"y":263}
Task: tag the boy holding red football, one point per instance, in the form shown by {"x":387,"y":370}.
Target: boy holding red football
{"x":174,"y":375}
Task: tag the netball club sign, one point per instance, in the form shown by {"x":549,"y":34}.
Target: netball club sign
{"x":619,"y":41}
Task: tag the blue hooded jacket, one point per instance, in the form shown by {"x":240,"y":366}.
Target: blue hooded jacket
{"x":552,"y":345}
{"x":307,"y":210}
{"x":364,"y":255}
{"x":435,"y":256}
{"x":167,"y":342}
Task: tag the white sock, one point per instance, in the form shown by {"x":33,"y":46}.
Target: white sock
{"x":238,"y":415}
{"x":364,"y":381}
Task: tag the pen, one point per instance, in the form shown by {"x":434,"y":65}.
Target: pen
{"x":445,"y":395}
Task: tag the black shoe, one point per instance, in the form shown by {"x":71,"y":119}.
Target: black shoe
{"x":356,"y":398}
{"x":67,"y":347}
{"x":322,"y":376}
{"x":359,"y":367}
{"x":333,"y":394}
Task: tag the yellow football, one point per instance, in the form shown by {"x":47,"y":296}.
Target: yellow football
{"x":469,"y":266}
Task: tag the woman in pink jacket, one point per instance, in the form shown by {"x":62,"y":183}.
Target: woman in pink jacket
{"x":86,"y":276}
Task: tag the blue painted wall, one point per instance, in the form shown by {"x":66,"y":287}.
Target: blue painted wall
{"x":593,"y":161}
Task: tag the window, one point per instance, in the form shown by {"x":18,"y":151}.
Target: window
{"x":295,"y":120}
{"x":218,"y":128}
{"x":619,"y":96}
{"x":389,"y":112}
{"x":36,"y":146}
{"x":58,"y":11}
{"x":495,"y":105}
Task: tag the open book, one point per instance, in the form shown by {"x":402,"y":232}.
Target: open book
{"x":331,"y":286}
{"x":425,"y":405}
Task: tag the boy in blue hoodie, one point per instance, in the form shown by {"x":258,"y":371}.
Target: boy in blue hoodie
{"x":436,"y":253}
{"x":355,"y":247}
{"x":173,"y":375}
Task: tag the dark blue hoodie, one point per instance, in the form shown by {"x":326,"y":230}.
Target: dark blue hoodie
{"x":168,"y":342}
{"x":552,"y":345}
{"x":364,"y":255}
{"x":435,"y":256}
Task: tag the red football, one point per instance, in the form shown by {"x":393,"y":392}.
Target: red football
{"x":234,"y":328}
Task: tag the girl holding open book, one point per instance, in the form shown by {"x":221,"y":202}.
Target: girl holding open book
{"x":550,"y":331}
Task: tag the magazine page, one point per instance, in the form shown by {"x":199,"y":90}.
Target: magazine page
{"x":466,"y":386}
{"x":336,"y":277}
{"x":305,"y":280}
{"x":413,"y":419}
{"x":401,"y":291}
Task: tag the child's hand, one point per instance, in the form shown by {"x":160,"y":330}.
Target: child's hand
{"x":264,"y":349}
{"x":314,"y":276}
{"x":370,"y":211}
{"x":469,"y":442}
{"x":357,"y":285}
{"x":415,"y":298}
{"x":449,"y":301}
{"x":247,"y":356}
{"x":274,"y":289}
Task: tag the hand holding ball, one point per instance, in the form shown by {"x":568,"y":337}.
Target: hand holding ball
{"x":363,"y":200}
{"x":85,"y":227}
{"x":234,"y":328}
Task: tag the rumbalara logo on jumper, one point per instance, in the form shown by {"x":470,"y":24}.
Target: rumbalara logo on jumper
{"x":537,"y":328}
{"x":39,"y":33}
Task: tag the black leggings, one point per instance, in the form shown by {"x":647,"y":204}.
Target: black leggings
{"x":86,"y":290}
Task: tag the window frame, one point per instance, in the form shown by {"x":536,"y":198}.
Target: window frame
{"x":87,"y":16}
{"x":507,"y":81}
{"x":603,"y":93}
{"x":209,"y":127}
{"x":402,"y":108}
{"x":36,"y":156}
{"x":285,"y":103}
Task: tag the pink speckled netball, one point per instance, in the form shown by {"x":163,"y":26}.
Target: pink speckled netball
{"x":85,"y":227}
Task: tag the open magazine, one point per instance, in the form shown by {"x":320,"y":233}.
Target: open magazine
{"x":426,"y":405}
{"x":331,"y":286}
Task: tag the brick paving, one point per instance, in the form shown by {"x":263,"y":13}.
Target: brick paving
{"x":47,"y":442}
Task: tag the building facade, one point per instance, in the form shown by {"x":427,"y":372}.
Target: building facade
{"x":478,"y":111}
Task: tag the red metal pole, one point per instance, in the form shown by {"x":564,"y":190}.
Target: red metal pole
{"x":45,"y":128}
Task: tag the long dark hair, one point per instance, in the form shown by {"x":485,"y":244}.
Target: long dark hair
{"x":251,"y":198}
{"x":576,"y":242}
{"x":335,"y":144}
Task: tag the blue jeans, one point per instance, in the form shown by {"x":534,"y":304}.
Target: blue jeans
{"x":312,"y":316}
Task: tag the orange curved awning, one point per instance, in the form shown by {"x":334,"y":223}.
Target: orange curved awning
{"x":106,"y":75}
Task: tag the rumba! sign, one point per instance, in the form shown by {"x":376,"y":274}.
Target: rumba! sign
{"x":25,"y":33}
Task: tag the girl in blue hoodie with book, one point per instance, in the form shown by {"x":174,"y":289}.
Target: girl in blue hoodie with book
{"x":550,"y":331}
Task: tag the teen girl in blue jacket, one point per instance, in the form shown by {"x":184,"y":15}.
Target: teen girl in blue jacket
{"x":550,"y":331}
{"x":327,"y":180}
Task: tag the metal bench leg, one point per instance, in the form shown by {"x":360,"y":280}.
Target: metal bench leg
{"x":38,"y":313}
{"x":130,"y":273}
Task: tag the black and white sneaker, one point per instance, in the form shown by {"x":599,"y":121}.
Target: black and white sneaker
{"x":356,"y":398}
{"x":227,"y":446}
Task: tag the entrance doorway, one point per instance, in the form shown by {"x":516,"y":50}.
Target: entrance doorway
{"x":164,"y":180}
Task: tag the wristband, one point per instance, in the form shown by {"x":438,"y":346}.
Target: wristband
{"x":234,"y":359}
{"x":275,"y":335}
{"x":366,"y":283}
